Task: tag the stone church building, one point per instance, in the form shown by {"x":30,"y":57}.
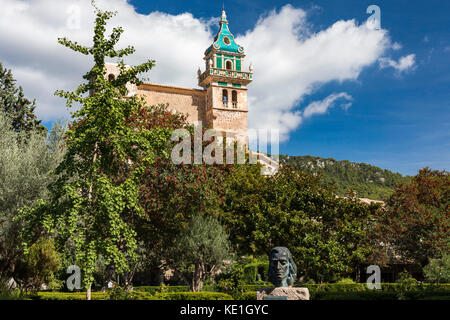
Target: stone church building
{"x":221,"y":104}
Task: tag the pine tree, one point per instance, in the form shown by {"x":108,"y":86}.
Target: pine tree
{"x":15,"y":105}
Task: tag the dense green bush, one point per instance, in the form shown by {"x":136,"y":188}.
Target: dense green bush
{"x":41,"y":263}
{"x":248,"y":295}
{"x":232,"y":281}
{"x":9,"y":294}
{"x":252,"y":270}
{"x":438,"y":270}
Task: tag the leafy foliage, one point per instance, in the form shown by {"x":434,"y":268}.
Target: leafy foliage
{"x":200,"y":251}
{"x":95,"y":199}
{"x":41,"y":263}
{"x":327,"y":235}
{"x":438,"y":270}
{"x":232,"y":281}
{"x":7,"y":293}
{"x":415,"y":224}
{"x":170,"y":194}
{"x":25,"y":162}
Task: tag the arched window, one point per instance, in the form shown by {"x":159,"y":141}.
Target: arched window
{"x":111,"y":77}
{"x":234,"y":98}
{"x":225,"y":98}
{"x":229,"y":65}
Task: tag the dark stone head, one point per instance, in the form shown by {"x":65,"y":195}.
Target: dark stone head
{"x":282,"y":268}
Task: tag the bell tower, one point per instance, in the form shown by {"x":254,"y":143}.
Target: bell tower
{"x":226,"y":84}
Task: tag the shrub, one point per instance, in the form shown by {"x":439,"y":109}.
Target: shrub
{"x":248,"y":295}
{"x":438,"y":270}
{"x":252,"y":270}
{"x":232,"y":281}
{"x":42,"y":262}
{"x":8,"y":294}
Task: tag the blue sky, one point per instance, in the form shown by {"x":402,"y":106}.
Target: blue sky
{"x":389,"y":114}
{"x":397,"y":122}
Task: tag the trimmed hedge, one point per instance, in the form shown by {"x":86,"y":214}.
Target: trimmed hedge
{"x":359,"y":291}
{"x":156,"y":289}
{"x":385,"y":287}
{"x":68,"y":296}
{"x":330,"y":291}
{"x":193,"y":296}
{"x":134,"y":295}
{"x":206,"y":288}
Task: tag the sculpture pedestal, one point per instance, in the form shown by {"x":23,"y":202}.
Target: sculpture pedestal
{"x":290,"y":293}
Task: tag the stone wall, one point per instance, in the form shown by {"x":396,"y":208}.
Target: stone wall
{"x":182,"y":100}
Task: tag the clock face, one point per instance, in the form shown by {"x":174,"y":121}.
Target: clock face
{"x":227,"y":41}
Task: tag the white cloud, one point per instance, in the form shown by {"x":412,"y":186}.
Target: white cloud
{"x":396,"y":46}
{"x":404,"y":63}
{"x":29,"y":32}
{"x":290,"y":61}
{"x":322,"y":106}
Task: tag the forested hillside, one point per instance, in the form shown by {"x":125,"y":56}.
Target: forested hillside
{"x":368,"y":181}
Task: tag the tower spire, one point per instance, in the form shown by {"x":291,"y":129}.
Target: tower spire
{"x":224,"y":16}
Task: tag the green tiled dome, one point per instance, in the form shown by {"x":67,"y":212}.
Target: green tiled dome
{"x":224,"y":40}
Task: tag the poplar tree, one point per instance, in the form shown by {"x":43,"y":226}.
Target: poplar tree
{"x":95,"y":199}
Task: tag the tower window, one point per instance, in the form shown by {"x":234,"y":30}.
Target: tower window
{"x":111,"y":77}
{"x":227,"y":41}
{"x":229,"y":65}
{"x":234,"y":98}
{"x":225,"y":98}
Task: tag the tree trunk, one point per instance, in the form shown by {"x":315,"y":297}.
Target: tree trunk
{"x":197,"y":278}
{"x":88,"y":293}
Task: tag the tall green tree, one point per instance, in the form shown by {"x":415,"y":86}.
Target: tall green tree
{"x":15,"y":105}
{"x":414,"y":226}
{"x":26,"y":160}
{"x":95,"y":199}
{"x":327,"y":235}
{"x":200,"y":251}
{"x":172,"y":194}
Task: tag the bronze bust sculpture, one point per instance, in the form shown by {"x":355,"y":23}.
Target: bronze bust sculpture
{"x":282,"y":268}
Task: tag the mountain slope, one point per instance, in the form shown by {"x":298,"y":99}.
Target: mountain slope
{"x":368,"y":181}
